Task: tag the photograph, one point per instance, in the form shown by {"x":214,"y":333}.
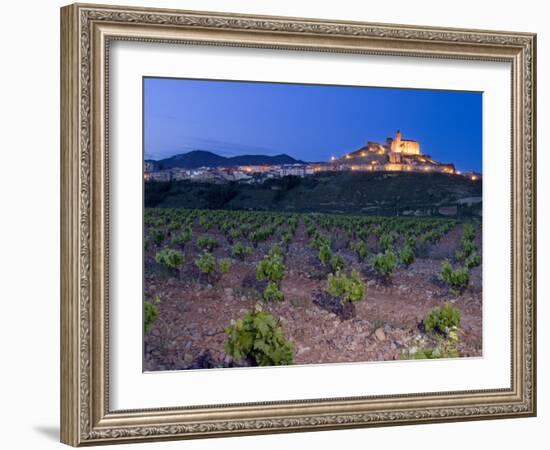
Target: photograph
{"x":290,"y":220}
{"x":297,"y":224}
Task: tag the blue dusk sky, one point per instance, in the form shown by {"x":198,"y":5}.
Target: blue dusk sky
{"x":307,"y":122}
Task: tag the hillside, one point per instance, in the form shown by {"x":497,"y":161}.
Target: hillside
{"x":202,"y":158}
{"x":333,"y":192}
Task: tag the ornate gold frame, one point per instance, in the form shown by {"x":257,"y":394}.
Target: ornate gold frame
{"x":86,"y":31}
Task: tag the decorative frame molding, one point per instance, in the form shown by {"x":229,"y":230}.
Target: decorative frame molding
{"x":86,"y":31}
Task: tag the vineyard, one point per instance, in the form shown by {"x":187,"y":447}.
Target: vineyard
{"x":237,"y":288}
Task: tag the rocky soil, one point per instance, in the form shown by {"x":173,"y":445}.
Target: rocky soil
{"x":194,"y":310}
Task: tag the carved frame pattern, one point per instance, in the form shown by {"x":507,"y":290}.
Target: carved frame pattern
{"x":85,"y":416}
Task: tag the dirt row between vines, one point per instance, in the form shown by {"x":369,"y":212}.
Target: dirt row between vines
{"x":194,"y":311}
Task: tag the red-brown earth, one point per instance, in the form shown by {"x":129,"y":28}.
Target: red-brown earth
{"x":193,"y":311}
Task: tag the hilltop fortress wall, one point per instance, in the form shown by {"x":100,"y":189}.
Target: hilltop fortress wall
{"x":395,"y":155}
{"x":404,"y":146}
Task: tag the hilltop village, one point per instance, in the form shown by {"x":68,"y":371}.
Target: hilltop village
{"x":395,"y":155}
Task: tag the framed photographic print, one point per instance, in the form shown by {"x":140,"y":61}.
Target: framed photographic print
{"x":276,"y":224}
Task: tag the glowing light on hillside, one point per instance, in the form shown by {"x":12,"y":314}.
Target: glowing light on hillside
{"x":393,"y":167}
{"x":333,"y":158}
{"x":473,"y":178}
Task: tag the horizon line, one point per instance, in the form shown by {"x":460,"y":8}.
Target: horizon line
{"x":283,"y":154}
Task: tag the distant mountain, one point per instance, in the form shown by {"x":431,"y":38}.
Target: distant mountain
{"x":202,"y":158}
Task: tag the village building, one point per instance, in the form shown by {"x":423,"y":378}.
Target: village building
{"x":405,"y":147}
{"x":148,"y":166}
{"x":395,"y":155}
